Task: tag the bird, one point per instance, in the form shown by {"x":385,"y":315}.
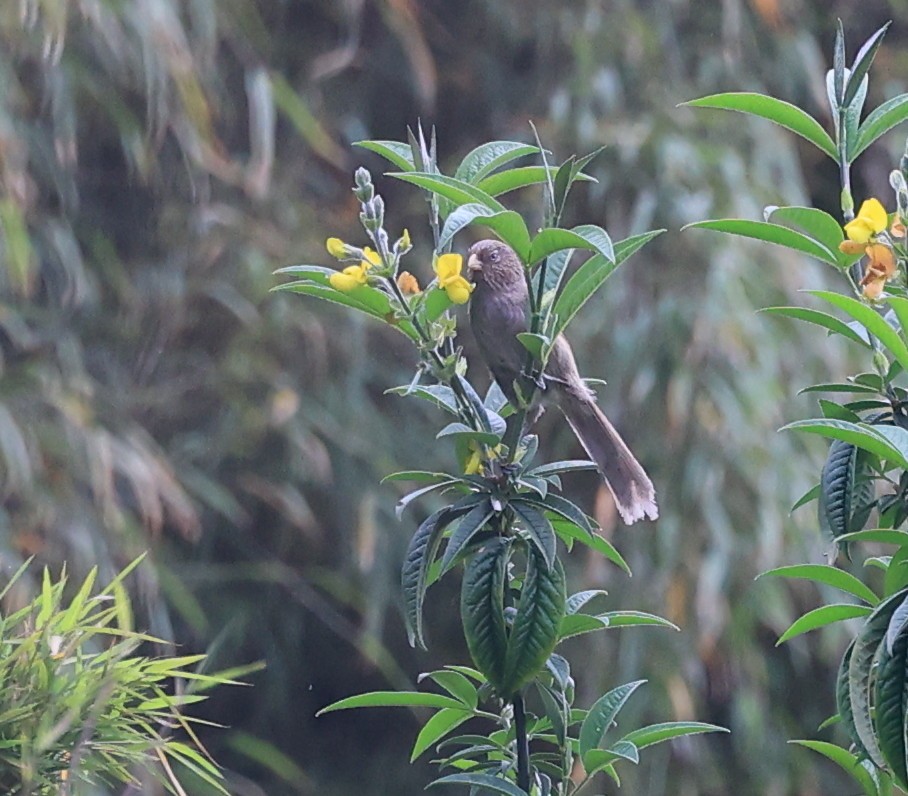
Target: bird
{"x":499,"y":309}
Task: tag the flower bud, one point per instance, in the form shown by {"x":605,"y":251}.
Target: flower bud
{"x":364,"y":191}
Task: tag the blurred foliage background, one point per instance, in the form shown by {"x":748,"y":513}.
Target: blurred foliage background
{"x":159,"y":158}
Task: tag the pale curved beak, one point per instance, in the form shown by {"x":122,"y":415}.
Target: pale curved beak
{"x":474,"y":263}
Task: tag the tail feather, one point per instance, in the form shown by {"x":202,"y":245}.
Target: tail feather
{"x":628,"y":482}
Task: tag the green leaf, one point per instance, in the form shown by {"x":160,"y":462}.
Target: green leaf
{"x":861,"y":671}
{"x":862,"y":62}
{"x":569,"y":532}
{"x":871,"y":320}
{"x":843,"y":700}
{"x":456,"y":191}
{"x":865,"y":437}
{"x":439,"y":394}
{"x":880,"y":121}
{"x":393,"y":699}
{"x":777,"y":111}
{"x":819,"y":318}
{"x":577,"y":600}
{"x":461,"y":431}
{"x":564,"y":508}
{"x":489,"y":157}
{"x":601,"y":716}
{"x":421,"y":552}
{"x":666,"y":731}
{"x":891,"y":709}
{"x":456,"y":684}
{"x":482,"y":609}
{"x":831,"y":576}
{"x":484,"y":781}
{"x":520,"y":177}
{"x":770,"y":233}
{"x":535,"y":630}
{"x":436,"y":728}
{"x":590,"y":276}
{"x":472,"y":523}
{"x":816,"y":224}
{"x":882,"y":535}
{"x":822,"y":616}
{"x":539,"y":529}
{"x":364,"y":298}
{"x":586,"y":236}
{"x":407,"y":499}
{"x":396,"y":152}
{"x":565,"y":466}
{"x":509,"y":226}
{"x":848,"y":762}
{"x":417,"y":476}
{"x":636,"y":619}
{"x":846,"y":491}
{"x":844,"y":387}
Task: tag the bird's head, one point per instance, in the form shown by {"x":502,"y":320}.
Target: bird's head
{"x":495,"y":264}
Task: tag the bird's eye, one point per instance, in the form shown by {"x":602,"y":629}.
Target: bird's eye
{"x":494,"y":256}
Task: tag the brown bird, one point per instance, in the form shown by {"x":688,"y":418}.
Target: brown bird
{"x":499,"y":308}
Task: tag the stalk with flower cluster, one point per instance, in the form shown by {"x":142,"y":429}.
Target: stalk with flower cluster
{"x":500,"y":518}
{"x":862,"y":494}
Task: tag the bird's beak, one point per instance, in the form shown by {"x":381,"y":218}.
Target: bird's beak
{"x":474,"y":263}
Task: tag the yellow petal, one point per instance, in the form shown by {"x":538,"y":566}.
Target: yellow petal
{"x":874,"y":214}
{"x":336,"y":247}
{"x":859,"y":230}
{"x":405,"y":240}
{"x":874,"y":288}
{"x":851,"y":247}
{"x":343,"y":282}
{"x":458,"y":289}
{"x":882,"y":260}
{"x":370,"y":258}
{"x":407,"y":283}
{"x":448,"y":266}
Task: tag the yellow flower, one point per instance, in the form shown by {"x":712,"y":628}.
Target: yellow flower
{"x":473,"y":464}
{"x":370,"y":258}
{"x":407,"y":283}
{"x":448,"y":268}
{"x":404,"y":242}
{"x":880,"y":268}
{"x":351,"y":277}
{"x":336,"y":248}
{"x":870,"y":221}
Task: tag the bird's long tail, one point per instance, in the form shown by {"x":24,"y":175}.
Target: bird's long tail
{"x":631,"y":487}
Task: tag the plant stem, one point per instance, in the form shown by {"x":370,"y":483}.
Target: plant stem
{"x":523,"y":745}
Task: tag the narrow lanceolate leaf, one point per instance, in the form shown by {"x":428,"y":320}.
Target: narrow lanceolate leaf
{"x":489,"y":157}
{"x":601,"y":716}
{"x":816,"y":224}
{"x":891,"y":708}
{"x":538,"y":527}
{"x":587,"y":236}
{"x":860,"y":671}
{"x":456,"y":684}
{"x":481,"y":782}
{"x":454,"y":190}
{"x":420,"y":554}
{"x":866,"y":437}
{"x":880,"y":121}
{"x":482,"y":609}
{"x":472,"y":523}
{"x":871,"y":320}
{"x":564,"y":508}
{"x":832,"y":576}
{"x":509,"y":226}
{"x":576,"y":601}
{"x":535,"y":629}
{"x":818,"y":318}
{"x":848,"y":762}
{"x":782,"y":113}
{"x":822,"y":616}
{"x":436,"y":728}
{"x":590,"y":276}
{"x":770,"y":233}
{"x":570,"y":532}
{"x":396,"y":152}
{"x":862,"y":62}
{"x":666,"y":731}
{"x":393,"y":699}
